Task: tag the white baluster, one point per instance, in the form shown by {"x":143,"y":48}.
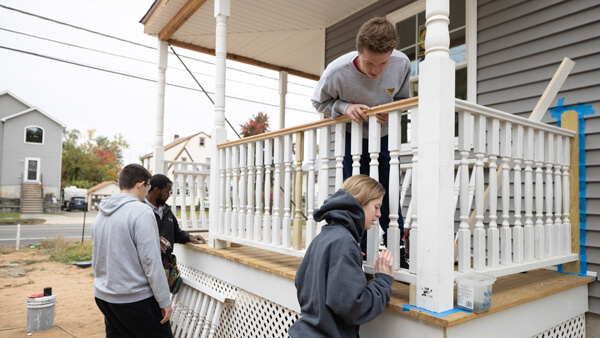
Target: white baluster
{"x":242,"y":195}
{"x":479,"y":231}
{"x":340,"y":148}
{"x":550,"y":232}
{"x":276,"y":238}
{"x":235,"y":185}
{"x":374,"y":148}
{"x":394,"y":140}
{"x":566,"y":233}
{"x":464,"y":234}
{"x":222,"y":225}
{"x":267,"y":215}
{"x":201,"y":186}
{"x":311,"y":149}
{"x":193,"y":189}
{"x":528,"y":235}
{"x":184,"y":192}
{"x":518,"y":228}
{"x":228,"y":191}
{"x":250,"y":192}
{"x":558,"y":143}
{"x":412,"y":217}
{"x":287,"y":220}
{"x":324,"y":148}
{"x":493,"y":234}
{"x":297,"y":222}
{"x":505,"y":233}
{"x":539,"y":195}
{"x":176,"y":186}
{"x":356,"y":147}
{"x":259,"y":187}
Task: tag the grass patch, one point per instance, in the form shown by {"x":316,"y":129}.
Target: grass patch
{"x":67,"y":251}
{"x":32,"y":261}
{"x":11,"y":218}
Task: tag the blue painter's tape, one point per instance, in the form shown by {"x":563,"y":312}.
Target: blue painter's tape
{"x":581,"y":110}
{"x":435,"y":314}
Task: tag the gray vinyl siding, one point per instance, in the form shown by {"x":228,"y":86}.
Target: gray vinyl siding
{"x":8,"y":106}
{"x":15,"y":150}
{"x":520,"y":45}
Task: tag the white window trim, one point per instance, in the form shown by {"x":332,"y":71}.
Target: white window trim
{"x":470,"y":39}
{"x":43,"y":135}
{"x":25,"y":170}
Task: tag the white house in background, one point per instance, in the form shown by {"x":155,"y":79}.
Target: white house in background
{"x":30,"y":149}
{"x":99,"y":191}
{"x":195,"y":148}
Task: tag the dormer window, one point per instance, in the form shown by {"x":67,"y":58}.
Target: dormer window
{"x":34,"y":134}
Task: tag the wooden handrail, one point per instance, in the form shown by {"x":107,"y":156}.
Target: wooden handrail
{"x":384,"y":108}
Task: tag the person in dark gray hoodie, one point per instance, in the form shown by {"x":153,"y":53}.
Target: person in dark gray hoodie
{"x":334,"y":295}
{"x":130,"y":287}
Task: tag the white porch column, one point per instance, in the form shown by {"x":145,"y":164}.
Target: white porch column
{"x":159,"y":151}
{"x":436,"y":165}
{"x":219,"y":133}
{"x":283,"y":76}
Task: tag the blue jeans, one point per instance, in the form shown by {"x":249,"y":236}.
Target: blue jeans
{"x":384,"y":179}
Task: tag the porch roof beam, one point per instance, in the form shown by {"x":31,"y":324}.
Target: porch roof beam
{"x":244,"y":59}
{"x":180,"y":18}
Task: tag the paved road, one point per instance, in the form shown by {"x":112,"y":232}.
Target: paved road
{"x":69,"y":225}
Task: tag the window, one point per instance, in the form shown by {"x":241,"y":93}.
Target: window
{"x":34,"y":134}
{"x":410,"y":24}
{"x":184,"y":159}
{"x":202,"y":141}
{"x":207,"y":163}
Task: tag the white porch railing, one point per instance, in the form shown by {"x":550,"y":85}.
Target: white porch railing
{"x":190,"y":190}
{"x":263,"y":202}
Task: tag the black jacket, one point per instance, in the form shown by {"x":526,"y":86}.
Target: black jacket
{"x":168,"y":227}
{"x":332,"y":289}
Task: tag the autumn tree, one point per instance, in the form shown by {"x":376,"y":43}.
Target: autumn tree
{"x":257,"y":124}
{"x":91,"y":160}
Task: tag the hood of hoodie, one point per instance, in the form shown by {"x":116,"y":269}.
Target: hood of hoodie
{"x":342,"y":209}
{"x":110,"y":204}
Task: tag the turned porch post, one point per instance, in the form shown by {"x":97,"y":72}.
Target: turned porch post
{"x":159,"y":151}
{"x":436,"y":165}
{"x":218,"y":134}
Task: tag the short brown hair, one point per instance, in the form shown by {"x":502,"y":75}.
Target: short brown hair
{"x":377,"y":35}
{"x":132,"y":174}
{"x":363,"y":188}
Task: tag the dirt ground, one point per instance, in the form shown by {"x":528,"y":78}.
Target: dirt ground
{"x":76,"y":312}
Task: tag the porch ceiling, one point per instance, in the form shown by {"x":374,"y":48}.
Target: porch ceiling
{"x":274,"y":34}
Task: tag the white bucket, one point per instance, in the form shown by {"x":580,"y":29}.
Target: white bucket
{"x":474,"y":292}
{"x":40,"y":313}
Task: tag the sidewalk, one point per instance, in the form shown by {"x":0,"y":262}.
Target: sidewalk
{"x":73,"y":217}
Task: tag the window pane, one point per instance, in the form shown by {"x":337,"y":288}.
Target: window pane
{"x":460,"y":89}
{"x":457,"y":14}
{"x":32,"y":170}
{"x":34,"y":135}
{"x":406,"y":32}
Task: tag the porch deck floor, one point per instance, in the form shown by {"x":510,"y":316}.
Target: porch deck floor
{"x":508,"y":291}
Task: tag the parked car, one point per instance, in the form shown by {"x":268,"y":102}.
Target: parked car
{"x":77,"y":203}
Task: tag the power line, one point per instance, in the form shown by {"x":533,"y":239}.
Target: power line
{"x":133,"y":42}
{"x":130,"y":58}
{"x":142,"y":78}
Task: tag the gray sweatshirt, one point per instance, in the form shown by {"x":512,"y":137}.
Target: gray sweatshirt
{"x":342,"y":84}
{"x":126,"y":253}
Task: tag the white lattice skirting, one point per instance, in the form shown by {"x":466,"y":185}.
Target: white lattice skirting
{"x":572,"y":328}
{"x":251,"y":315}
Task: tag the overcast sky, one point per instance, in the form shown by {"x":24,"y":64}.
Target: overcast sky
{"x":89,"y":64}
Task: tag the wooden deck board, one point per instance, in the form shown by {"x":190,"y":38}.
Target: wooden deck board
{"x":507,"y":292}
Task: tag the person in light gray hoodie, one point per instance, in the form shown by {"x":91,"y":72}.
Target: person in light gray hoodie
{"x":334,"y":295}
{"x":129,"y":281}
